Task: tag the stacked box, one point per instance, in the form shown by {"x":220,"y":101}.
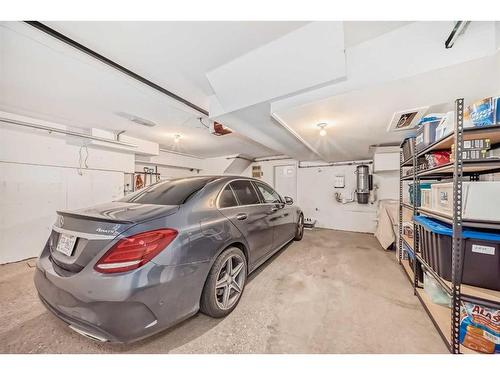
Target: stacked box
{"x":473,"y":149}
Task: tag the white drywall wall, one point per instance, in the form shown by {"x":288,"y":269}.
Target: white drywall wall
{"x":176,"y":165}
{"x":317,"y":200}
{"x":30,"y":196}
{"x":40,"y":174}
{"x":315,"y":194}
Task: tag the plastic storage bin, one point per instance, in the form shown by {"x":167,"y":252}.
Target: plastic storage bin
{"x":408,"y":149}
{"x":419,"y":189}
{"x":426,"y":134}
{"x":411,"y":259}
{"x":480,"y":200}
{"x":446,"y":126}
{"x":426,"y":198}
{"x":481,"y":263}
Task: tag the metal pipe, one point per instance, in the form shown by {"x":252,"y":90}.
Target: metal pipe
{"x":66,"y":132}
{"x":336,"y":164}
{"x":271,"y":158}
{"x":240,"y":157}
{"x":63,"y":38}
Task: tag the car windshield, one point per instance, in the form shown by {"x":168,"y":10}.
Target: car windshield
{"x":172,"y":192}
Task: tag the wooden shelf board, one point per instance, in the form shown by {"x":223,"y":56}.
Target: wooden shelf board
{"x":407,"y":206}
{"x":465,"y":350}
{"x":493,"y":133}
{"x":475,"y":291}
{"x":409,"y":241}
{"x":469,"y":166}
{"x":407,"y":163}
{"x":407,"y":269}
{"x":440,"y":314}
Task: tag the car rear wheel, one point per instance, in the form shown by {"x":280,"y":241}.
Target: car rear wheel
{"x":225,"y":283}
{"x":299,"y":233}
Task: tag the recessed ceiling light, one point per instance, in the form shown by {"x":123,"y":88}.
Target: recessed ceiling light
{"x":322,"y":126}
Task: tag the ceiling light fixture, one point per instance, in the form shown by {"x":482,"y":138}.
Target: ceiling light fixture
{"x":138,"y":120}
{"x":177,"y":138}
{"x":322,"y":126}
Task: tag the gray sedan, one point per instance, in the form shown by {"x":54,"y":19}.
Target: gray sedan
{"x":127,"y":269}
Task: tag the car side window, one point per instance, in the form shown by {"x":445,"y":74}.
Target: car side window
{"x":245,"y":192}
{"x":269,"y":195}
{"x":227,"y":198}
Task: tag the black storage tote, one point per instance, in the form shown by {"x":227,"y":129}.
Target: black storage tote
{"x":481,"y":261}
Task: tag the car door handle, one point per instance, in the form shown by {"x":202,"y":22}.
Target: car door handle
{"x":241,"y":216}
{"x":274,"y":209}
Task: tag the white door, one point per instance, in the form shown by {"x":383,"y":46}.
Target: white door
{"x":285,"y":181}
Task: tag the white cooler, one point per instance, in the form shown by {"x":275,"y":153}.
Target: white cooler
{"x":481,"y":199}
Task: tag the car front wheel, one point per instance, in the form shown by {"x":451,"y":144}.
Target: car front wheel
{"x":299,"y":232}
{"x":225,"y":283}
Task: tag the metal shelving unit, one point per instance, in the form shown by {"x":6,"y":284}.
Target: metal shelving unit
{"x":447,"y":321}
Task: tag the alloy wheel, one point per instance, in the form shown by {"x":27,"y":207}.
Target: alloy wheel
{"x":230,"y":282}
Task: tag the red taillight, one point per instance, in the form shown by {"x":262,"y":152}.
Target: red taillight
{"x":132,"y":252}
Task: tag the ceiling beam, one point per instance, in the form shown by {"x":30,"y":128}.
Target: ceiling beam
{"x":63,"y":38}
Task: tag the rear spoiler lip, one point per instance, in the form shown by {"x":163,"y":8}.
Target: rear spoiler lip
{"x":117,"y":221}
{"x":95,"y":218}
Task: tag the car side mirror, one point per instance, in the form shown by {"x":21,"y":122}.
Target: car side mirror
{"x":288,"y":200}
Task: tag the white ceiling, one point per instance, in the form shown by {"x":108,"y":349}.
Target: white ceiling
{"x":406,"y":68}
{"x":356,"y":32}
{"x":175,"y":55}
{"x":41,"y":77}
{"x":360,"y":118}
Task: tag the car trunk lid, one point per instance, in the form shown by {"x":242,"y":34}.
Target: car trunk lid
{"x":83,"y":233}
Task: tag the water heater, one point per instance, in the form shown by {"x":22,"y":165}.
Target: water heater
{"x":363,"y":183}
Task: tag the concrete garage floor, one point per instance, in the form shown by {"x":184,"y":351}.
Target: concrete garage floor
{"x":333,"y":292}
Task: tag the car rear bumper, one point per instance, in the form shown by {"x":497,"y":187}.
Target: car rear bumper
{"x":171,"y":298}
{"x":105,"y":321}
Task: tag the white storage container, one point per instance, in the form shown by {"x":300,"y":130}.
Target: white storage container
{"x":481,"y":199}
{"x":446,"y":125}
{"x":426,"y":198}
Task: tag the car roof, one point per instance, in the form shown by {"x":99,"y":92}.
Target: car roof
{"x":211,"y":178}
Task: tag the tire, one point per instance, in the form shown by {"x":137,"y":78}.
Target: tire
{"x":221,"y":293}
{"x":299,"y":232}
